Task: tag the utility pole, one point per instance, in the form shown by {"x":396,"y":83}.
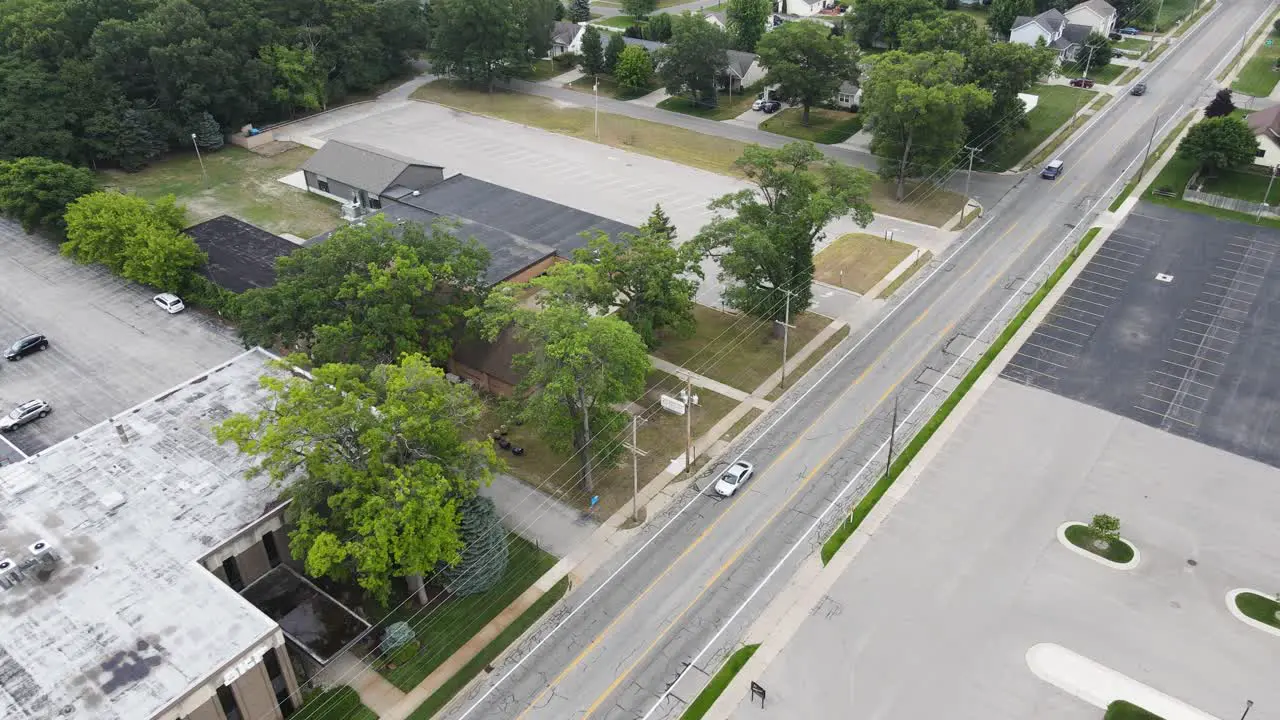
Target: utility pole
{"x":1248,"y":705}
{"x":786,"y":327}
{"x":893,"y":429}
{"x":1267,"y":197}
{"x":688,"y":423}
{"x":636,"y":452}
{"x":967,"y":178}
{"x":1143,"y":170}
{"x":595,"y":92}
{"x":1088,"y":61}
{"x":196,"y":145}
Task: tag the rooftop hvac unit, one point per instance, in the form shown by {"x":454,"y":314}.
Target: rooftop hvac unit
{"x":9,"y":574}
{"x":351,"y":211}
{"x":41,"y":551}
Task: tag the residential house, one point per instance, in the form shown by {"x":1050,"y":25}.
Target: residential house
{"x":1051,"y":28}
{"x":802,"y":8}
{"x":742,"y":70}
{"x":718,"y":19}
{"x":364,"y":177}
{"x":241,"y":256}
{"x":146,"y":574}
{"x":1098,"y":15}
{"x":1265,"y":124}
{"x":848,"y":97}
{"x":564,"y":37}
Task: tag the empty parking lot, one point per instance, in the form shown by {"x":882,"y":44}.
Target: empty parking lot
{"x":110,"y":347}
{"x":1169,"y":324}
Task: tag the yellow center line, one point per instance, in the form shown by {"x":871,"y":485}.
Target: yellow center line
{"x":703,"y":535}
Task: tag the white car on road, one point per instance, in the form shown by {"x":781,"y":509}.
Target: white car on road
{"x":735,"y":477}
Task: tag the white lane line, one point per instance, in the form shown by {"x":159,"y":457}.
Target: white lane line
{"x":15,"y":447}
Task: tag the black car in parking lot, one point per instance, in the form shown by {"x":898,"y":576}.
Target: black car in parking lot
{"x":25,"y":346}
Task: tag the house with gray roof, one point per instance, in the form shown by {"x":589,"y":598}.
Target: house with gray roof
{"x":1052,"y":28}
{"x":564,"y":37}
{"x":742,"y":70}
{"x":364,"y":176}
{"x":1099,"y":15}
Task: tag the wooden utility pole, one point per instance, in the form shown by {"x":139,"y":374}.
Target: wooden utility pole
{"x":786,"y":326}
{"x":688,"y":423}
{"x":636,"y":452}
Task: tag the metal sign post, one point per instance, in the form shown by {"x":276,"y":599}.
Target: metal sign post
{"x":757,"y":691}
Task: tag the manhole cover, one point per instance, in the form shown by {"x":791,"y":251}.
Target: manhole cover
{"x":1191,"y":562}
{"x":1164,"y":278}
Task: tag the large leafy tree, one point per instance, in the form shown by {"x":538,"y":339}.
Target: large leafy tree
{"x":36,"y":191}
{"x":299,"y":81}
{"x":807,"y":63}
{"x":747,"y":20}
{"x":917,"y":105}
{"x":693,"y":61}
{"x":953,"y":32}
{"x":579,"y":11}
{"x":634,"y":70}
{"x":1003,"y":12}
{"x":639,"y":8}
{"x":765,"y":247}
{"x":478,"y":41}
{"x":377,"y":462}
{"x":368,"y":294}
{"x":1221,"y":105}
{"x":613,"y":50}
{"x":1005,"y":70}
{"x":138,"y":240}
{"x":1219,"y":143}
{"x":580,"y":368}
{"x":878,"y":23}
{"x":1096,"y":53}
{"x":538,"y":20}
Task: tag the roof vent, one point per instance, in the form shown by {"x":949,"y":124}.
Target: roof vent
{"x":38,"y":548}
{"x":10,"y":575}
{"x":111,"y":501}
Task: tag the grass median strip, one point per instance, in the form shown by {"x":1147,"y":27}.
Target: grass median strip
{"x":1155,"y":157}
{"x":857,"y":261}
{"x":1125,"y":710}
{"x":864,"y":507}
{"x":718,"y":683}
{"x":814,"y":358}
{"x":339,"y":703}
{"x":906,"y":275}
{"x":453,"y":685}
{"x":1263,"y":609}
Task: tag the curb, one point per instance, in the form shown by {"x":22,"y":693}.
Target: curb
{"x":1231,"y":606}
{"x":1062,"y":538}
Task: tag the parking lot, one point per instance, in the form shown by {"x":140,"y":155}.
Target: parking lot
{"x":1169,"y":325}
{"x":109,"y":346}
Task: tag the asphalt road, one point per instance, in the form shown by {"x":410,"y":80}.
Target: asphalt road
{"x":690,"y":584}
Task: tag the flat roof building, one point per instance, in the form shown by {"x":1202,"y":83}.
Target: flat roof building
{"x":122,"y":553}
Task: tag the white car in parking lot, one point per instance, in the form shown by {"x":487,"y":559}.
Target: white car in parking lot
{"x":169,"y":302}
{"x":735,"y":477}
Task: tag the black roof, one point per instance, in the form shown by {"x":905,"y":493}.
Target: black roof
{"x":241,"y":256}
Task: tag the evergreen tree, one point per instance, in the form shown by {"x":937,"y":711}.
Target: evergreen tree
{"x":559,"y":11}
{"x":139,"y":140}
{"x":659,"y":224}
{"x":612,"y":51}
{"x":484,"y":552}
{"x":580,"y":11}
{"x":592,"y":51}
{"x":1221,"y":105}
{"x":208,"y":133}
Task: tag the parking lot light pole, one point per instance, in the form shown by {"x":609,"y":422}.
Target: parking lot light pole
{"x":1267,"y":197}
{"x":595,"y":91}
{"x":196,"y":145}
{"x":1248,"y":704}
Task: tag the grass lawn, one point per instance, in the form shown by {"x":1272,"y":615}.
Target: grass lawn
{"x":1056,"y":106}
{"x":661,"y":435}
{"x":545,"y":70}
{"x":1082,"y":537}
{"x":1131,"y":43}
{"x":719,"y":349}
{"x":1172,"y":11}
{"x":1258,"y":76}
{"x":899,"y":281}
{"x":1125,"y":710}
{"x":825,"y":126}
{"x":814,"y":358}
{"x":1128,"y":76}
{"x":726,"y":108}
{"x":705,"y":152}
{"x":610,"y":88}
{"x":1243,"y":185}
{"x":741,"y":425}
{"x":241,"y":183}
{"x":618,"y":21}
{"x":1173,"y":178}
{"x":857,"y":261}
{"x":718,"y":683}
{"x":1156,"y":154}
{"x":450,"y":624}
{"x":339,"y":703}
{"x":441,"y":697}
{"x":1260,"y":608}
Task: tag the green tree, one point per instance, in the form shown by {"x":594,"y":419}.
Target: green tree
{"x":580,"y":11}
{"x":484,"y":550}
{"x":639,"y":8}
{"x":878,"y":23}
{"x":765,"y":248}
{"x":478,"y":41}
{"x":136,"y":240}
{"x":659,"y":224}
{"x":36,"y":191}
{"x":658,"y":29}
{"x":1221,"y":105}
{"x":953,"y":32}
{"x":613,"y":51}
{"x":916,"y":106}
{"x":691,"y":64}
{"x":299,"y":82}
{"x":1219,"y":143}
{"x":581,"y":366}
{"x":377,"y":463}
{"x":1003,"y":12}
{"x":560,"y":12}
{"x":1096,"y":53}
{"x":539,"y":19}
{"x":592,"y":56}
{"x":207,"y":132}
{"x":1105,"y":528}
{"x":368,"y":294}
{"x":807,"y":63}
{"x":747,"y":20}
{"x":635,"y":69}
{"x":1005,"y":70}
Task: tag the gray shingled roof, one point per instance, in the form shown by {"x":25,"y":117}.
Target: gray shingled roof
{"x":740,"y":62}
{"x":367,"y":168}
{"x":1102,"y":7}
{"x":1076,"y":34}
{"x":719,"y":16}
{"x":563,"y":33}
{"x":241,"y":256}
{"x":649,"y":45}
{"x":1050,"y":20}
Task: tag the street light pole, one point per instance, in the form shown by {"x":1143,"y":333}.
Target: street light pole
{"x":967,"y":178}
{"x":595,"y":92}
{"x":1267,"y":196}
{"x":1142,"y":170}
{"x":196,"y":145}
{"x":786,"y":325}
{"x":1248,"y":704}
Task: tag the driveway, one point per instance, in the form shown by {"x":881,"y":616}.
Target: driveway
{"x":110,"y":348}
